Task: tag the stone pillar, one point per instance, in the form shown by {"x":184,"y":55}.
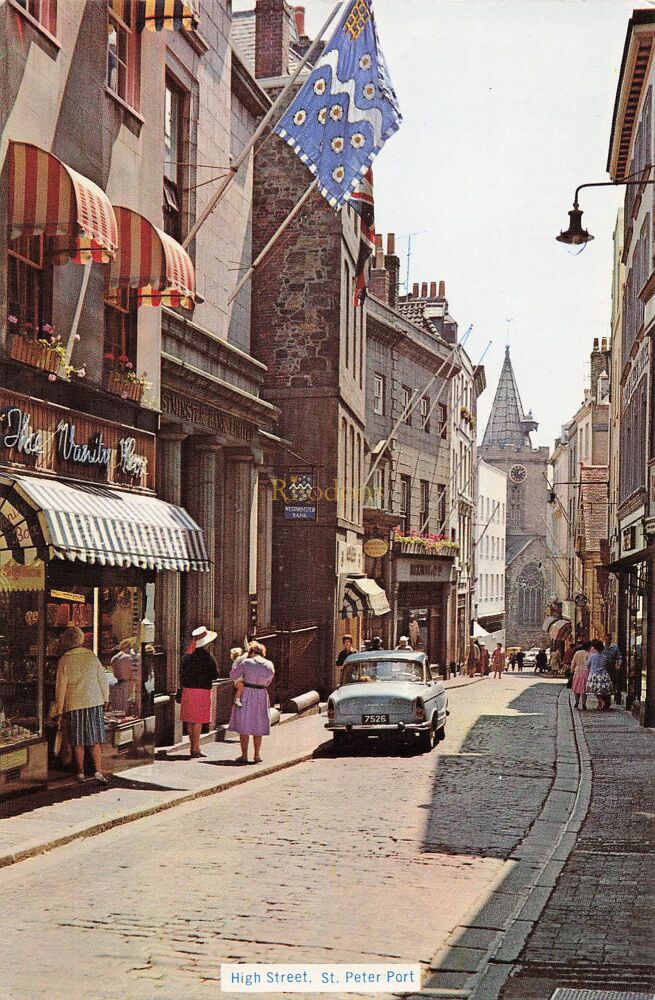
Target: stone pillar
{"x":236,"y":549}
{"x":167,"y":591}
{"x":200,"y":500}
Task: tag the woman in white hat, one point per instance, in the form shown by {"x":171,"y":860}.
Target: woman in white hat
{"x":197,"y":672}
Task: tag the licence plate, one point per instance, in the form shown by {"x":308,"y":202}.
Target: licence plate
{"x":373,"y":720}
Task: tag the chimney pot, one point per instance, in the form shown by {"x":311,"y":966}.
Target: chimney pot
{"x":433,"y":289}
{"x":299,"y":14}
{"x":391,"y":243}
{"x":424,"y":290}
{"x":595,"y":343}
{"x":603,"y":344}
{"x":378,"y":241}
{"x":415,"y":289}
{"x":442,"y":289}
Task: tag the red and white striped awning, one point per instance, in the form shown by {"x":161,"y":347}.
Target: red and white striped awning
{"x":48,"y":197}
{"x":152,"y":262}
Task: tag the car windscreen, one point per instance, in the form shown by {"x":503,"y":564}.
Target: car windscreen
{"x":368,"y":671}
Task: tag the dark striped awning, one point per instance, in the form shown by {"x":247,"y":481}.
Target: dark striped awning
{"x":155,"y":15}
{"x":363,"y":597}
{"x":98,"y":524}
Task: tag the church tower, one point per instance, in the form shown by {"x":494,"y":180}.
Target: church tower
{"x":507,"y":446}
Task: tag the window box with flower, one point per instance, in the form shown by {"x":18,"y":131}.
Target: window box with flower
{"x":429,"y":544}
{"x":40,"y":348}
{"x":122,"y":380}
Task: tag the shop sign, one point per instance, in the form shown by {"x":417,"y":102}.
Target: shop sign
{"x":376,"y":548}
{"x":349,"y":557}
{"x":53,"y":438}
{"x":10,"y":761}
{"x":423,"y":570}
{"x":299,"y":504}
{"x":190,"y":410}
{"x":65,"y":595}
{"x":17,"y":577}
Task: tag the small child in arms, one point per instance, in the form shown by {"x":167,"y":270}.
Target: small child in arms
{"x":235,"y":653}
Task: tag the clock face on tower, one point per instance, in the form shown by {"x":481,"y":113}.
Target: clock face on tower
{"x":517,"y":473}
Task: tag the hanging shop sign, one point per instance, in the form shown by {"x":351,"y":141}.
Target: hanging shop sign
{"x":298,"y":497}
{"x":376,"y":548}
{"x":46,"y":437}
{"x":17,"y":577}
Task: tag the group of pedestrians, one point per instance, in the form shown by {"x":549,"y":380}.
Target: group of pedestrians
{"x":82,"y":693}
{"x":594,"y":670}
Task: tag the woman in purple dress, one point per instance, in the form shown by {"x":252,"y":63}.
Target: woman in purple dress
{"x":252,"y":718}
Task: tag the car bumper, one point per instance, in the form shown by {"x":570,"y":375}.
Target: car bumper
{"x":388,"y":728}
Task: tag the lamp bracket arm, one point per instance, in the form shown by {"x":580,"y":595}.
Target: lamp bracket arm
{"x":595,"y":184}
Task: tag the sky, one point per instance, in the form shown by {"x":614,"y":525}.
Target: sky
{"x":507,"y":107}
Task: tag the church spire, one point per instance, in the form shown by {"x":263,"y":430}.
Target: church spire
{"x":508,"y":426}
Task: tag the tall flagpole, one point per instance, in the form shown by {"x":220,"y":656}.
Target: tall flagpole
{"x":411,"y":406}
{"x":274,"y":238}
{"x":245,"y":153}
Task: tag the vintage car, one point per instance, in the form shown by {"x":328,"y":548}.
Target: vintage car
{"x":388,"y":693}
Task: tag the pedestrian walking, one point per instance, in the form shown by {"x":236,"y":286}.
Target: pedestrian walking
{"x":346,"y":650}
{"x":555,"y":661}
{"x":520,"y":657}
{"x":376,"y":644}
{"x":541,"y":662}
{"x":403,"y":643}
{"x":253,"y":718}
{"x":414,"y":633}
{"x":81,"y":692}
{"x":512,"y":660}
{"x":197,"y":674}
{"x":498,"y":660}
{"x":599,"y":681}
{"x":484,"y":661}
{"x":580,"y":674}
{"x":567,"y":659}
{"x":614,"y":661}
{"x":472,"y":659}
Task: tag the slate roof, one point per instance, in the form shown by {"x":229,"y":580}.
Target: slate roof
{"x":428,"y":314}
{"x":508,"y":426}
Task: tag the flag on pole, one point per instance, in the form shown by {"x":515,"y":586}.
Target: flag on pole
{"x":347,"y":108}
{"x":362,"y":201}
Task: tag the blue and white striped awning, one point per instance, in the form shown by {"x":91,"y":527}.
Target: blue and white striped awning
{"x":98,"y":524}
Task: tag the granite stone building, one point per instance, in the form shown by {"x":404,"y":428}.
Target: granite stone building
{"x":507,"y":445}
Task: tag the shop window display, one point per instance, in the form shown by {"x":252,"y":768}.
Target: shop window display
{"x":20,"y":717}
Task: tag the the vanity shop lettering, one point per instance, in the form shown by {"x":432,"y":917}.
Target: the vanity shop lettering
{"x":19,"y":435}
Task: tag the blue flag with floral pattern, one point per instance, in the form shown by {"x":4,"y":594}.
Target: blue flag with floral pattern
{"x":346,"y":109}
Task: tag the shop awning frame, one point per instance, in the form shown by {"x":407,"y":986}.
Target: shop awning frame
{"x":152,"y":262}
{"x":93,"y":524}
{"x":49,"y":198}
{"x":558,"y":626}
{"x":363,"y":596}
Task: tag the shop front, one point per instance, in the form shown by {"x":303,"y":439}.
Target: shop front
{"x":422,"y":590}
{"x":82,"y":537}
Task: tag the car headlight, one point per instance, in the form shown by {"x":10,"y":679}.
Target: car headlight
{"x":330,"y":709}
{"x":419,"y":709}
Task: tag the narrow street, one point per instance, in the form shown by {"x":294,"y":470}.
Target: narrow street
{"x":386,"y":847}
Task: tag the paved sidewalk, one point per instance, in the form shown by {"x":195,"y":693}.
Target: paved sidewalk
{"x":596,"y":931}
{"x":40,"y":822}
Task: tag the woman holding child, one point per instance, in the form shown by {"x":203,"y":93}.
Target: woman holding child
{"x":252,"y":673}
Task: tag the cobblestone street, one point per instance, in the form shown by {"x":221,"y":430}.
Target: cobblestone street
{"x":369,"y":856}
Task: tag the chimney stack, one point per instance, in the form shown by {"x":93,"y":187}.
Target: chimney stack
{"x":415,"y":290}
{"x":392,"y":264}
{"x":272,"y":38}
{"x":299,"y":15}
{"x":378,"y":285}
{"x":596,"y":367}
{"x":442,"y":289}
{"x":433,"y":289}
